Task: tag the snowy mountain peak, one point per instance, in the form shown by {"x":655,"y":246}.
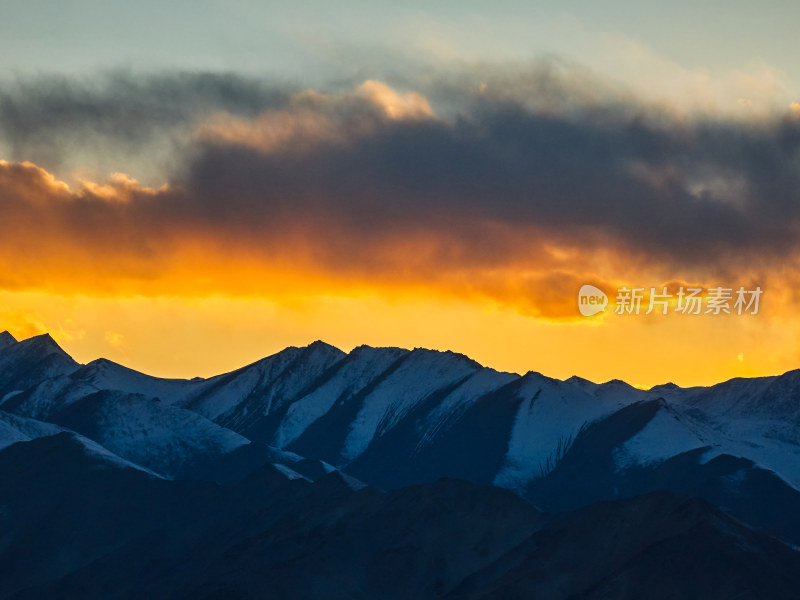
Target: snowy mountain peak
{"x":534,"y":377}
{"x":104,"y":367}
{"x":664,"y":387}
{"x":580,"y":382}
{"x":102,"y":363}
{"x":43,"y":344}
{"x":789,"y":380}
{"x":6,"y":339}
{"x":367,"y":348}
{"x":315,"y":351}
{"x":320,"y":352}
{"x":98,"y":366}
{"x":320,"y":346}
{"x":25,"y":364}
{"x":445,"y":355}
{"x":617,"y":383}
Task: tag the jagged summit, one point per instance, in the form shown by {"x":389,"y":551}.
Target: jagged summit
{"x":291,"y":353}
{"x":43,"y":343}
{"x":536,"y":376}
{"x":100,"y":365}
{"x":25,"y":364}
{"x":448,"y":354}
{"x":669,"y":386}
{"x":320,"y":345}
{"x":580,"y":382}
{"x":616,"y":384}
{"x":6,"y":339}
{"x":367,"y":348}
{"x":107,"y":367}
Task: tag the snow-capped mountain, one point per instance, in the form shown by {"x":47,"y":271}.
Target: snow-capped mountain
{"x":130,"y":415}
{"x":113,"y":472}
{"x":392,"y":417}
{"x":14,"y":428}
{"x":29,"y":362}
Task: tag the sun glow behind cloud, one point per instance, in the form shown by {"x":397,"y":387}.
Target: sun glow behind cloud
{"x":366,"y":216}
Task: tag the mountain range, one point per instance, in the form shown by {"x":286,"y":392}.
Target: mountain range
{"x":390,"y":473}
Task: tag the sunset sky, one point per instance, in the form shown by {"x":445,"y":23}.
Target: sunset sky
{"x":186,"y":187}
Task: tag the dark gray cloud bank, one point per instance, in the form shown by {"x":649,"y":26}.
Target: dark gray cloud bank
{"x":502,"y":170}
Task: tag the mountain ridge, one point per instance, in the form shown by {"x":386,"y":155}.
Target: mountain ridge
{"x":47,"y":339}
{"x":393,"y":417}
{"x":394,"y":473}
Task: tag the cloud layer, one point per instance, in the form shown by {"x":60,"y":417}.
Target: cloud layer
{"x":516,"y":189}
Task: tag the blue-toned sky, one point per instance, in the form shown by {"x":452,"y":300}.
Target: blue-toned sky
{"x":712,"y":38}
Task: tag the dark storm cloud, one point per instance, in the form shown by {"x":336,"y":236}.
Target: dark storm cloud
{"x":354,"y":184}
{"x":44,"y":118}
{"x":699,"y":193}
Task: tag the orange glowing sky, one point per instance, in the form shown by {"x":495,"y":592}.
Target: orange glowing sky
{"x":186,"y":337}
{"x":186,"y":222}
{"x":194,"y":308}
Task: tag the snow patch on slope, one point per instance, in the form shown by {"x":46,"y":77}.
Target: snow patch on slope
{"x":666,"y":435}
{"x":757,"y":418}
{"x":364,"y":366}
{"x":92,"y":448}
{"x":289,"y":473}
{"x":104,"y":374}
{"x":549,"y":418}
{"x":238,"y":400}
{"x":15,"y":429}
{"x":421,"y":374}
{"x":149,"y":433}
{"x":457,"y":402}
{"x":224,"y":393}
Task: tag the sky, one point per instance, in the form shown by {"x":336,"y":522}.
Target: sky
{"x":187,"y":187}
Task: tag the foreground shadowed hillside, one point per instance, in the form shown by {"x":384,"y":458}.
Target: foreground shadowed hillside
{"x":80,"y":524}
